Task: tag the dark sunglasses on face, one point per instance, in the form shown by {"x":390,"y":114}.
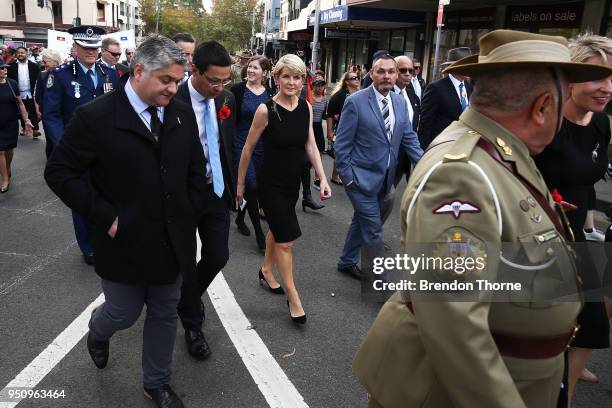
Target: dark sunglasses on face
{"x":404,"y":70}
{"x":352,"y":78}
{"x":114,"y":54}
{"x":417,"y":67}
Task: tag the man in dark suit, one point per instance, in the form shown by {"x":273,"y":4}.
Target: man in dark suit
{"x":418,"y":83}
{"x":25,"y":72}
{"x":129,"y":53}
{"x":132,"y":163}
{"x":444,"y":100}
{"x":109,"y":57}
{"x":214,"y":110}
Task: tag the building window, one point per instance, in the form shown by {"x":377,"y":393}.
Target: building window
{"x":122,"y":8}
{"x":277,"y":12}
{"x":136,"y":16}
{"x":101,"y":14}
{"x":20,"y":16}
{"x":57,"y":11}
{"x":397,"y":41}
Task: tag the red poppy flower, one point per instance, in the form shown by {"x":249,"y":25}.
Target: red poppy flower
{"x":224,"y":113}
{"x":556,"y":196}
{"x":119,"y":72}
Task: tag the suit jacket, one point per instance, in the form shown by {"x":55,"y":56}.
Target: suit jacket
{"x":403,"y":161}
{"x":156,"y":189}
{"x":227,"y":131}
{"x":33,"y":71}
{"x":440,"y":106}
{"x":362,"y":146}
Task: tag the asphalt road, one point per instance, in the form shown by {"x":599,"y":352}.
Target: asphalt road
{"x":44,"y":286}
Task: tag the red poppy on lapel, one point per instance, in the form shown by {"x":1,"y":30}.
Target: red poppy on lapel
{"x":224,"y":113}
{"x":119,"y":72}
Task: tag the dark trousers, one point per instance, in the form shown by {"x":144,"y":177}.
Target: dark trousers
{"x":82,"y":231}
{"x":122,"y":308}
{"x":213,"y":229}
{"x":31,"y":108}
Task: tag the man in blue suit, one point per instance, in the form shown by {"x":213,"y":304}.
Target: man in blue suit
{"x":72,"y":85}
{"x":373,"y":128}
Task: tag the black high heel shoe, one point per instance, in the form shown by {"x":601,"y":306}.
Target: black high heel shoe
{"x":307,"y":201}
{"x":299,"y":319}
{"x":276,"y":291}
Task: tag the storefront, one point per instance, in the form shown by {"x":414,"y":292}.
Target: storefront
{"x":564,"y":20}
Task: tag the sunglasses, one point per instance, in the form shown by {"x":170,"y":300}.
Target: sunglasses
{"x":404,"y":70}
{"x":114,"y":54}
{"x":352,"y":78}
{"x":417,"y":67}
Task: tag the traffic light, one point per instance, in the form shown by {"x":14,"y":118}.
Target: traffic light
{"x":41,"y":3}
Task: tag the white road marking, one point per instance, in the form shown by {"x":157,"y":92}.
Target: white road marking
{"x":270,"y":378}
{"x":30,"y":376}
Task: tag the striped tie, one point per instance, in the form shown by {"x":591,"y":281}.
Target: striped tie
{"x":386,"y":118}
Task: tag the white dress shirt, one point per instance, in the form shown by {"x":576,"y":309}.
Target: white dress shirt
{"x":140,"y":106}
{"x":23,"y":76}
{"x":417,"y":87}
{"x":403,"y":93}
{"x":456,"y":83}
{"x":198,"y":102}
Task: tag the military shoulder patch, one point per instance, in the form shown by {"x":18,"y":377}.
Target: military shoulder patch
{"x":456,"y":208}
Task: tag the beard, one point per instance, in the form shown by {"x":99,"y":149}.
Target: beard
{"x":384,"y":88}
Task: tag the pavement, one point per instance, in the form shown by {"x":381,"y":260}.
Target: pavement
{"x":45,"y":287}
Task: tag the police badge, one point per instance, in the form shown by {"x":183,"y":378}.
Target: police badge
{"x":50,"y":80}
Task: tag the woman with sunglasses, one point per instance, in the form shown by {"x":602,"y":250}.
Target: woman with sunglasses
{"x":10,"y":105}
{"x":574,"y":161}
{"x":349,"y":84}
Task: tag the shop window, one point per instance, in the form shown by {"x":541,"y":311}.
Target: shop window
{"x":410,"y":45}
{"x":383,"y":41}
{"x":563,"y":32}
{"x":469,"y":38}
{"x":397,"y":41}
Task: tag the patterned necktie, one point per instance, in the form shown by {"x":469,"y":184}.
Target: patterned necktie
{"x":462,"y":100}
{"x":213,"y":150}
{"x":386,"y":118}
{"x":155,"y":123}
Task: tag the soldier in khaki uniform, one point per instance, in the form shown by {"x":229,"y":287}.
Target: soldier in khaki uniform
{"x":243,"y":59}
{"x":478,"y":187}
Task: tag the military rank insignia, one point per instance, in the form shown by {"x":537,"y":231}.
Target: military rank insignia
{"x":456,"y":208}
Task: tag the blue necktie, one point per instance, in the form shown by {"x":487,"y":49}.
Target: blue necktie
{"x":462,"y":100}
{"x":213,"y":150}
{"x":94,"y":77}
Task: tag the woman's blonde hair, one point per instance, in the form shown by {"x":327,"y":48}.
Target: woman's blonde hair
{"x":292,"y":63}
{"x":342,"y":83}
{"x":587,"y":45}
{"x":53,"y":55}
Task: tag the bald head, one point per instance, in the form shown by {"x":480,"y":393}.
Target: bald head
{"x":405,"y":70}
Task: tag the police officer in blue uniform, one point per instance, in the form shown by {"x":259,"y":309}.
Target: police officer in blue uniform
{"x":69,"y":86}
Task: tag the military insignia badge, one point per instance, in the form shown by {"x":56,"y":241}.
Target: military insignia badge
{"x":459,"y":253}
{"x":50,"y":80}
{"x":456,"y":208}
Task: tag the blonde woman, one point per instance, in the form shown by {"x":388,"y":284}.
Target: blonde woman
{"x":285,"y":125}
{"x":348,"y":85}
{"x":51,"y":59}
{"x":572,"y":164}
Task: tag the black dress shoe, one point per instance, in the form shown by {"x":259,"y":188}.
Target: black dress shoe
{"x":264,"y":282}
{"x":242,"y":227}
{"x":353,"y":271}
{"x":89,"y":258}
{"x":310,"y":203}
{"x":98,"y":350}
{"x":164,"y":397}
{"x":196,"y":344}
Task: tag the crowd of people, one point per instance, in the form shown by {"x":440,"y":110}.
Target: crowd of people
{"x":185,"y":134}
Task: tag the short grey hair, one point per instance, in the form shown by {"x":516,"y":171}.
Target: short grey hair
{"x":53,"y":55}
{"x":511,"y":90}
{"x":157,"y":52}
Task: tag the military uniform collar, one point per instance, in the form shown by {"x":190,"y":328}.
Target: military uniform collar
{"x":509,"y":146}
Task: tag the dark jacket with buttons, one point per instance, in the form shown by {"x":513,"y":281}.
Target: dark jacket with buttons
{"x":156,"y":189}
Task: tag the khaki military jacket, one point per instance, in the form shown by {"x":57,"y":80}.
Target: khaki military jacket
{"x":443,"y":354}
